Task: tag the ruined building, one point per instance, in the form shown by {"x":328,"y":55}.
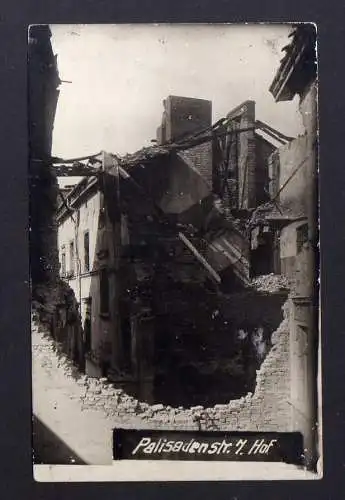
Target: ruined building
{"x":175,"y":261}
{"x":297,"y":164}
{"x":158,"y":254}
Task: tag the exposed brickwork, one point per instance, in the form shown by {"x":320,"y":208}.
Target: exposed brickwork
{"x":267,"y":409}
{"x":247,"y":159}
{"x":201,"y":158}
{"x":240,"y":174}
{"x":184,"y":116}
{"x":263,"y":151}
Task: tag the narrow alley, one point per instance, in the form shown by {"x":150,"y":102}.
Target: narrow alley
{"x":63,"y":432}
{"x":58,"y":404}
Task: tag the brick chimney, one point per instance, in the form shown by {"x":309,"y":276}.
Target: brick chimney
{"x":244,"y":115}
{"x":185,"y":116}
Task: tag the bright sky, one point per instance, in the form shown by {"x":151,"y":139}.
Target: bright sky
{"x":120,"y":75}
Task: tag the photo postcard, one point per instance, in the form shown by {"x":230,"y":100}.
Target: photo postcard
{"x":173,"y":176}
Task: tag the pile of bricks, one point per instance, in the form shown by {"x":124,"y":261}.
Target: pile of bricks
{"x":267,"y":409}
{"x":271,"y":283}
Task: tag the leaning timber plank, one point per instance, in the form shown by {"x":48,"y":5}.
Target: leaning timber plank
{"x":200,"y":258}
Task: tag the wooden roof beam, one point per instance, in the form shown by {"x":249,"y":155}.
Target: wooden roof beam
{"x":75,"y":170}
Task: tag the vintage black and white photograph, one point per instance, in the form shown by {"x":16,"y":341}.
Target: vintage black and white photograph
{"x":173,"y":178}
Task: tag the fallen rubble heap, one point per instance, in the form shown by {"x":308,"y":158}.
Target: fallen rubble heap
{"x":271,"y":283}
{"x":101,"y":395}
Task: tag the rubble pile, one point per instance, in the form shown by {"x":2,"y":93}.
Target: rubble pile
{"x":98,"y":394}
{"x":143,"y":156}
{"x":46,"y":298}
{"x":271,"y":283}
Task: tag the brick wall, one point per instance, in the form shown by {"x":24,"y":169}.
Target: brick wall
{"x":263,"y":151}
{"x":185,"y":116}
{"x":243,"y":179}
{"x":201,"y":158}
{"x":247,"y":158}
{"x":268,"y":409}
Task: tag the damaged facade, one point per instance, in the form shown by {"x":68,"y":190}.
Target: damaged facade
{"x":176,"y":261}
{"x":297,"y":163}
{"x":50,"y":295}
{"x":161,"y":262}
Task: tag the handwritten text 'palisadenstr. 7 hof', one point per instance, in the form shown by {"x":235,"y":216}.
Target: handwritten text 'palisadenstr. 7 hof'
{"x":150,"y":446}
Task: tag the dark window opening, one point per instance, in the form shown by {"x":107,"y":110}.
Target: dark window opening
{"x":301,"y":236}
{"x":86,"y":251}
{"x":262,"y":257}
{"x":276,"y":253}
{"x":63,"y":262}
{"x":71,"y":258}
{"x":104,"y":291}
{"x":102,"y":217}
{"x":88,"y":324}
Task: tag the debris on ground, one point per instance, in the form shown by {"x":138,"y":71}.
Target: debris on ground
{"x":271,"y":283}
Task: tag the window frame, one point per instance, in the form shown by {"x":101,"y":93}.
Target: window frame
{"x":71,"y":258}
{"x":86,"y":248}
{"x":104,"y":293}
{"x":63,"y":269}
